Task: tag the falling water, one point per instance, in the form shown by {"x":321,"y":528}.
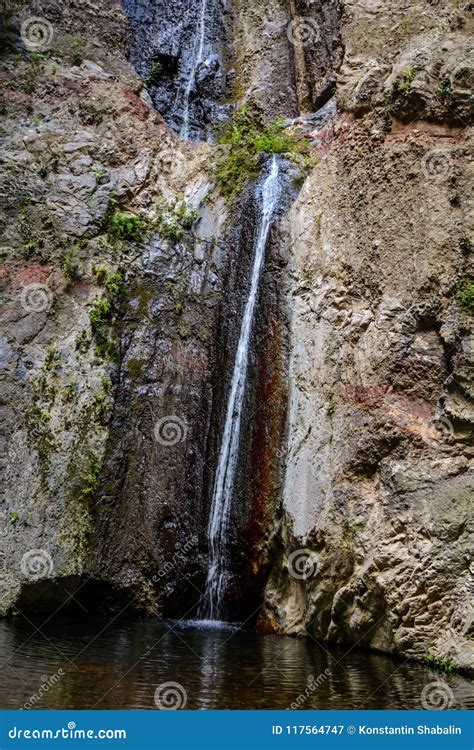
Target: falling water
{"x":225,"y":475}
{"x":198,"y":59}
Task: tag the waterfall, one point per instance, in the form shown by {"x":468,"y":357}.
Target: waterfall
{"x":198,"y":58}
{"x":225,"y":475}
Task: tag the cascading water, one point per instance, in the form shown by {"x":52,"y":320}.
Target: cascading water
{"x":218,"y":529}
{"x":198,"y":59}
{"x":178,"y":48}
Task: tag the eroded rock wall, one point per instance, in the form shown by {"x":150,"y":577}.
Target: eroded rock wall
{"x":376,"y":433}
{"x":79,"y":144}
{"x":115,"y":388}
{"x":378,"y":493}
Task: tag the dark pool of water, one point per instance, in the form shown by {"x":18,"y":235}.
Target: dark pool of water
{"x":95,"y":663}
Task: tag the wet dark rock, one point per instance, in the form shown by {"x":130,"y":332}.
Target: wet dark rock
{"x":166,"y":33}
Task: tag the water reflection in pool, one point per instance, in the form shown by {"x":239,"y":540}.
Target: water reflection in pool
{"x":119,"y":665}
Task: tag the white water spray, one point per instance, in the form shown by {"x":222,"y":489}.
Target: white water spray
{"x":198,"y":55}
{"x":224,"y":480}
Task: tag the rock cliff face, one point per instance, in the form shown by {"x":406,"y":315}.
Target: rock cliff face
{"x":378,"y":490}
{"x":354,"y":496}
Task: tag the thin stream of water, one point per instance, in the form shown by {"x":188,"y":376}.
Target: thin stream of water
{"x":198,"y":59}
{"x":225,"y":475}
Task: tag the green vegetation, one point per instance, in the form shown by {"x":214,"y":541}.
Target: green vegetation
{"x":331,"y":404}
{"x":405,"y":25}
{"x":155,"y":74}
{"x":90,"y":479}
{"x":9,"y":7}
{"x":52,"y":358}
{"x":439,"y":664}
{"x":465,"y":294}
{"x":39,"y":429}
{"x":174,"y":218}
{"x":100,"y":274}
{"x":102,"y":315}
{"x":350,"y":528}
{"x":70,"y":265}
{"x":100,"y":406}
{"x":124,"y":225}
{"x":136,"y":369}
{"x":76,"y":49}
{"x":68,"y":392}
{"x":33,"y":70}
{"x":403,"y":82}
{"x":14,"y":516}
{"x":247,"y":139}
{"x":445,"y":89}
